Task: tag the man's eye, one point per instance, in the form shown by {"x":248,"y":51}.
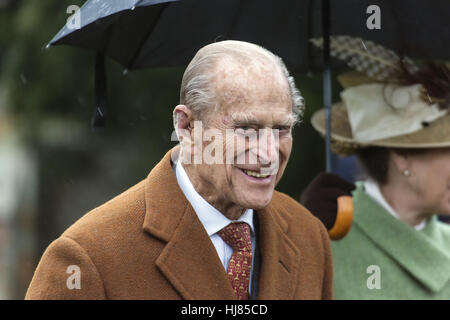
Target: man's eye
{"x":244,"y":128}
{"x":282,"y":128}
{"x":246,"y":131}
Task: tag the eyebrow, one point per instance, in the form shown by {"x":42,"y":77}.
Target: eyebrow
{"x":244,"y":118}
{"x":239,"y":118}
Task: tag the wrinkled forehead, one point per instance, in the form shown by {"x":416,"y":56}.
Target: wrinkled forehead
{"x":249,"y":82}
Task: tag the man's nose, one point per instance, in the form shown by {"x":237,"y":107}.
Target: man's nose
{"x":268,"y":147}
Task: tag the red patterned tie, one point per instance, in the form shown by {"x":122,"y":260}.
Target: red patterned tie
{"x":237,"y":236}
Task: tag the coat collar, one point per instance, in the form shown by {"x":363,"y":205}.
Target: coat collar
{"x":419,"y":252}
{"x":280,"y":258}
{"x":189,"y":260}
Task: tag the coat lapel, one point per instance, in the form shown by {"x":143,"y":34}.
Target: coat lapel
{"x":418,"y":253}
{"x":189,"y":260}
{"x":280,"y":258}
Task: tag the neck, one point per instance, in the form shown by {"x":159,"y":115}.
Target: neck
{"x":208,"y":192}
{"x":231,"y":211}
{"x":405,"y":203}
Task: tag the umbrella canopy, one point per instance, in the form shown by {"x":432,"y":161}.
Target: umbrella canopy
{"x":117,"y":28}
{"x":417,"y":28}
{"x":150,"y":33}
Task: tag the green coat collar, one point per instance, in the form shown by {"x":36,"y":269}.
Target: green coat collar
{"x":423,"y":254}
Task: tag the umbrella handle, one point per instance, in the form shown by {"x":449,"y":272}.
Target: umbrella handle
{"x":101,"y":98}
{"x":344,"y":218}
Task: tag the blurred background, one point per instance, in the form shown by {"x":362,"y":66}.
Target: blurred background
{"x":53,"y":167}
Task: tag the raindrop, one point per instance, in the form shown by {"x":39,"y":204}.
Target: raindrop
{"x":47,"y":46}
{"x":364,"y":45}
{"x":23,"y":78}
{"x":133,"y":8}
{"x":125,"y":72}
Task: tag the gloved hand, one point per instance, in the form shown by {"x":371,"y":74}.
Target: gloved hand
{"x":320,"y":196}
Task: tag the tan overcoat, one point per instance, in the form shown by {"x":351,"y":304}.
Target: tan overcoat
{"x":148,"y":243}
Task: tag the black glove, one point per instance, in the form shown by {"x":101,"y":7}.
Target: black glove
{"x":320,"y":196}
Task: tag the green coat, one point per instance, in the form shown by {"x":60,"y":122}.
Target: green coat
{"x":384,"y":258}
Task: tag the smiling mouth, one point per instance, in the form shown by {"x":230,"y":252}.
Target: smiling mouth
{"x":255,"y":174}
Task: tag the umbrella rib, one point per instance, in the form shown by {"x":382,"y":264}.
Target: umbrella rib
{"x":235,"y":18}
{"x":144,"y":39}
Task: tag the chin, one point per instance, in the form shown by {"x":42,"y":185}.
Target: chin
{"x":444,"y":212}
{"x":444,"y":208}
{"x":257,"y":202}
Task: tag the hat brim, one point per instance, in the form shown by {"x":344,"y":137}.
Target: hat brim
{"x":434,"y":135}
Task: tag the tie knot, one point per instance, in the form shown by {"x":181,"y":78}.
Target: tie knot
{"x":237,"y":236}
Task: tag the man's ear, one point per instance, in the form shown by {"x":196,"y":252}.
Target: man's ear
{"x":183,"y":116}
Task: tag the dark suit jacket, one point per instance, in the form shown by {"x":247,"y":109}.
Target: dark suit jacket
{"x":148,"y":243}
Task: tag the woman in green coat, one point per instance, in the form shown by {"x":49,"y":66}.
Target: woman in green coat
{"x":399,"y":128}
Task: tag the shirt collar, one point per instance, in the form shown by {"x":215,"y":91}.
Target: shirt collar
{"x":211,"y":218}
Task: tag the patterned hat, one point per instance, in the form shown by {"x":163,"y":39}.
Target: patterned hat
{"x":390,"y":102}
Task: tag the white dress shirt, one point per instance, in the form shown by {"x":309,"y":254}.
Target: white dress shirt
{"x":212,"y":219}
{"x":373,"y":190}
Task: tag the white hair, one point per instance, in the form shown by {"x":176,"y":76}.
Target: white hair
{"x":196,"y":91}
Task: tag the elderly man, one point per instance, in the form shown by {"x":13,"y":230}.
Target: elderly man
{"x":206,"y":223}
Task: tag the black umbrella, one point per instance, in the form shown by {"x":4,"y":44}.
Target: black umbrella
{"x":116,"y":28}
{"x":147,"y":33}
{"x":169,"y":35}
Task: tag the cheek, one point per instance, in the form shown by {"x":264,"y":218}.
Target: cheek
{"x":433,"y":185}
{"x":439,"y":179}
{"x":442,"y":189}
{"x":446,"y":186}
{"x":285,"y":149}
